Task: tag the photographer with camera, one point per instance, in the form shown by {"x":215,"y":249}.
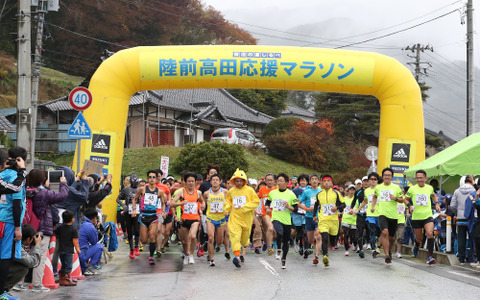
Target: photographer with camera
{"x":12,"y":210}
{"x":17,"y":185}
{"x":30,"y":259}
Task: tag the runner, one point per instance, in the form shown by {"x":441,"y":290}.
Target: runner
{"x":372,"y":217}
{"x":418,"y":199}
{"x":361,"y":215}
{"x":191,"y":202}
{"x":327,"y":204}
{"x":150,"y":198}
{"x":240,"y":204}
{"x":280,"y":203}
{"x":349,"y":220}
{"x":307,"y":202}
{"x":390,"y":194}
{"x":298,"y":217}
{"x":125,"y":200}
{"x":216,"y":220}
{"x":262,"y":221}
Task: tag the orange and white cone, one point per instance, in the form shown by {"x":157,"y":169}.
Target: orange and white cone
{"x":51,"y":251}
{"x":76,"y":268}
{"x":48,"y":278}
{"x":119,"y":231}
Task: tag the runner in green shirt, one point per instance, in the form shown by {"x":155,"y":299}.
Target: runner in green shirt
{"x":281,"y":202}
{"x":418,"y":198}
{"x":389,"y":195}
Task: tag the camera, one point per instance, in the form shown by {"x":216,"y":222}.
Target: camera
{"x":12,"y":162}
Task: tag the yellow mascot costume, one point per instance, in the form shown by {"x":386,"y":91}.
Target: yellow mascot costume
{"x":241,"y":203}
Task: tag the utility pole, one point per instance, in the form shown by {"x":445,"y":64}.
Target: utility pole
{"x":470,"y":100}
{"x":419,"y":70}
{"x":24,"y":70}
{"x":40,"y":16}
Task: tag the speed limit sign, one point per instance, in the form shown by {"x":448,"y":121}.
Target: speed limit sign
{"x":80,"y":98}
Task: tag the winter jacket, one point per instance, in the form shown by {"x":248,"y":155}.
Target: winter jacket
{"x":30,"y":259}
{"x":458,"y":200}
{"x":95,"y":198}
{"x":88,"y":235}
{"x":42,"y":203}
{"x":77,"y":195}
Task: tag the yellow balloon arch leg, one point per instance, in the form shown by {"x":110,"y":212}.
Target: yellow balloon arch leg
{"x":401,"y":141}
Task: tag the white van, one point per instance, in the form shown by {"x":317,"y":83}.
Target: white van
{"x":237,"y":136}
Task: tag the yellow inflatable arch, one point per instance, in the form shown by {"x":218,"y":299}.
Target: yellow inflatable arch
{"x":401,"y":138}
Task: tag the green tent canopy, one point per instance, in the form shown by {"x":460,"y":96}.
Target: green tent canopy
{"x":459,"y":159}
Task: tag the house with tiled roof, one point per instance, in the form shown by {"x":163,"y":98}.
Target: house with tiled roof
{"x":295,"y":111}
{"x":168,"y":117}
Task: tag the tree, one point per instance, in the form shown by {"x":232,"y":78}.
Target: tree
{"x":280,"y":126}
{"x":194,"y":158}
{"x":270,"y":102}
{"x":353,"y":115}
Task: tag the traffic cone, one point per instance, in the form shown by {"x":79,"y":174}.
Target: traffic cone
{"x":51,"y":251}
{"x":119,"y":231}
{"x":48,"y":278}
{"x":76,"y":268}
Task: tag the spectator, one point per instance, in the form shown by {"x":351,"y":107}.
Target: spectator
{"x":77,"y":194}
{"x":458,"y":207}
{"x":12,"y":210}
{"x":96,"y":193}
{"x":67,"y":236}
{"x":91,"y":250}
{"x":43,"y":207}
{"x":28,"y":260}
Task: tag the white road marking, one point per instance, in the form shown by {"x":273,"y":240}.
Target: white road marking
{"x":464,"y":275}
{"x":268,"y":266}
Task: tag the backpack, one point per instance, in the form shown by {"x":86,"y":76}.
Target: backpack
{"x":111,"y":241}
{"x":30,"y":217}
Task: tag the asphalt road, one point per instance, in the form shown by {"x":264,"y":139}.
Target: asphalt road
{"x":262,"y":278}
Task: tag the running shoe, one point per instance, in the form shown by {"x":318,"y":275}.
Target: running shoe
{"x":141,"y":248}
{"x":7,"y":296}
{"x":325,"y":261}
{"x":190,"y":259}
{"x":361,"y":254}
{"x":236,"y":262}
{"x":369,"y":247}
{"x":347,"y":253}
{"x":185,"y":260}
{"x":151,"y":261}
{"x":242,"y":259}
{"x":212,"y":263}
{"x":137,"y":251}
{"x":132,"y":254}
{"x":257,"y":251}
{"x":315,"y":260}
{"x":227,"y":255}
{"x":284,"y":263}
{"x":388,"y":259}
{"x":264,"y":247}
{"x":200,"y":252}
{"x":162,"y":250}
{"x":158,"y":254}
{"x":278,"y":255}
{"x":431,"y":260}
{"x":217,"y":248}
{"x":270,"y":251}
{"x":40,"y":288}
{"x":300,"y":251}
{"x":398,"y":254}
{"x":374,"y":253}
{"x":19,"y":287}
{"x":336,"y":247}
{"x":306,"y":253}
{"x":127,"y":242}
{"x":415,"y":251}
{"x":330,"y":248}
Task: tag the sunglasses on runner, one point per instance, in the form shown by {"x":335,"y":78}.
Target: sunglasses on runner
{"x":152,"y":176}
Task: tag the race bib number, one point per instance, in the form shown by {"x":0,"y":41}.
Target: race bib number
{"x":260,"y":205}
{"x":364,"y":209}
{"x":327,"y":209}
{"x":370,"y":199}
{"x":401,"y":209}
{"x":348,"y":209}
{"x":312,"y":201}
{"x":278,"y":205}
{"x":191,"y":208}
{"x":385,"y":195}
{"x":3,"y":199}
{"x":216,"y":207}
{"x":239,"y":202}
{"x":150,"y":199}
{"x":422,"y":200}
{"x":130,"y":208}
{"x":301,"y":211}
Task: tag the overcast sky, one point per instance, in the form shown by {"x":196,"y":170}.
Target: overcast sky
{"x":337,"y":23}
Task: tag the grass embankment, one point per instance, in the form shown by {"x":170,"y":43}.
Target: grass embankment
{"x":140,"y":160}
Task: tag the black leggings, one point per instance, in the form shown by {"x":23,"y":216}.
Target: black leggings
{"x":360,"y":229}
{"x":349,"y":237}
{"x":333,"y":240}
{"x":283,"y":237}
{"x":133,"y":228}
{"x":299,"y":235}
{"x":374,"y":234}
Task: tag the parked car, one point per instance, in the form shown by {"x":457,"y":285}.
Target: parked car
{"x":237,"y":136}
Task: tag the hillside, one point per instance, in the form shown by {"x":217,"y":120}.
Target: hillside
{"x":53,"y":84}
{"x":133,"y":162}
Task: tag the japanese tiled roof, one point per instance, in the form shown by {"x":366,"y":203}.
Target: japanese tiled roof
{"x":186,"y":101}
{"x":297,"y":111}
{"x":5,"y":125}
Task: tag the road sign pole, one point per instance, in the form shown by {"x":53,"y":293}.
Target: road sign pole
{"x":78,"y":156}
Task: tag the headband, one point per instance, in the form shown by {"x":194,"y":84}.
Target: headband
{"x":324,"y":178}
